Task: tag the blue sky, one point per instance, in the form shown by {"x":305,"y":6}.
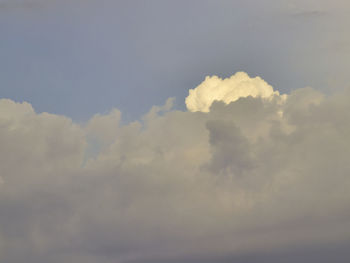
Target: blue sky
{"x":81,"y":57}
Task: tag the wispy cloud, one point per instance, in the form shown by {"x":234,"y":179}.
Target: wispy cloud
{"x":308,"y":13}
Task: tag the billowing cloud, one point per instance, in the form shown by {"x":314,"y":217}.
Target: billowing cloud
{"x":239,"y":85}
{"x":240,"y":179}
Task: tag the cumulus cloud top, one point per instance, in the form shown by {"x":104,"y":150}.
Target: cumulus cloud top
{"x":239,"y":179}
{"x":239,"y":85}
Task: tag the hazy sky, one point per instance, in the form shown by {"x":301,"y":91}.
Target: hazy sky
{"x":174,"y":131}
{"x":80,"y":57}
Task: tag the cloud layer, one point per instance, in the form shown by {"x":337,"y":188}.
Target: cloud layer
{"x":239,"y":173}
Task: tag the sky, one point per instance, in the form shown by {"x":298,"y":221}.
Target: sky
{"x":81,"y":57}
{"x":174,"y":131}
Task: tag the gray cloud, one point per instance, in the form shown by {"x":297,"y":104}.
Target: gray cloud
{"x":248,"y":180}
{"x":308,"y":14}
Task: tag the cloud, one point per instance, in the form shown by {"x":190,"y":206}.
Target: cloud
{"x":238,"y":180}
{"x":309,"y":9}
{"x":239,"y":85}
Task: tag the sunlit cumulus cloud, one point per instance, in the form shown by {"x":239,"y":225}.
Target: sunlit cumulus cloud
{"x":230,"y":176}
{"x":239,"y":85}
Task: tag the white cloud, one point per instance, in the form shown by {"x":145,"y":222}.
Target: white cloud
{"x":239,"y":85}
{"x":241,"y":178}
